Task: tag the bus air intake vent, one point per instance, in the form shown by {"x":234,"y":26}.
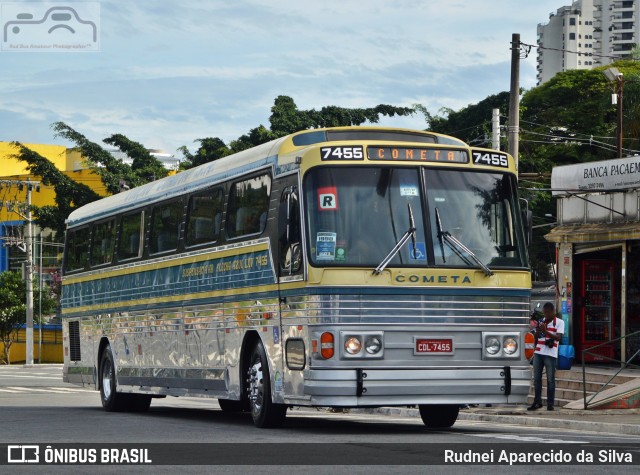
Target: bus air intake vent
{"x":74,"y":341}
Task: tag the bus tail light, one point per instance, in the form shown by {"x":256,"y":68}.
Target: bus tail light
{"x":327,"y":345}
{"x":529,"y":345}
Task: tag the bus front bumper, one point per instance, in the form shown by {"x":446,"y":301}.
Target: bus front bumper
{"x":377,"y":387}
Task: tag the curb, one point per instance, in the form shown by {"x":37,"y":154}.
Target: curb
{"x":556,"y":423}
{"x":521,"y":420}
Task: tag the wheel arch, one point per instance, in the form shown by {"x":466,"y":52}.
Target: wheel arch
{"x":249,"y":342}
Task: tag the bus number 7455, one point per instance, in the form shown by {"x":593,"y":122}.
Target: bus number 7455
{"x":491,"y":159}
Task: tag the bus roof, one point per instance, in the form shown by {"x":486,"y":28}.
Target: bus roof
{"x":240,"y":163}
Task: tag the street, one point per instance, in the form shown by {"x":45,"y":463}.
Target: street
{"x":36,"y":407}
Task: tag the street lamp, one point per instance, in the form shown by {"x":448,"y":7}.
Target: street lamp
{"x":613,"y":75}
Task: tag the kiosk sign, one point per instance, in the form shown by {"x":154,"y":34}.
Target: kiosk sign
{"x":617,"y":174}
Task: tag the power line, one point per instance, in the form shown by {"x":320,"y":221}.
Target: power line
{"x":579,"y":53}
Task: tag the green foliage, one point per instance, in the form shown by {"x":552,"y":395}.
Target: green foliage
{"x":286,"y":119}
{"x":69,"y":194}
{"x":13,"y":309}
{"x":112,"y":171}
{"x":472,"y":123}
{"x":144,"y":166}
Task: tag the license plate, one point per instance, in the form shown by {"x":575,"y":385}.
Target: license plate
{"x":434,"y":345}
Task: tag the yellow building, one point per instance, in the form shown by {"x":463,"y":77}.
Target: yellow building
{"x":13,"y":198}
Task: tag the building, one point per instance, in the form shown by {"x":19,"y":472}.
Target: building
{"x":13,"y":198}
{"x":597,"y":242}
{"x":587,"y":34}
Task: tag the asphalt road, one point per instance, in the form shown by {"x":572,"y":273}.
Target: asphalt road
{"x":36,"y":407}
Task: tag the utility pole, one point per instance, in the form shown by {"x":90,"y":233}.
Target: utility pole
{"x":29,"y":276}
{"x":514,"y":98}
{"x":495,"y":129}
{"x":26,"y":214}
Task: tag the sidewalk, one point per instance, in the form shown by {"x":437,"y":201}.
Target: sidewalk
{"x":612,"y":421}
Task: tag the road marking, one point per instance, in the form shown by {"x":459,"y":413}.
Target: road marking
{"x":528,"y":438}
{"x":59,"y":378}
{"x":28,"y":389}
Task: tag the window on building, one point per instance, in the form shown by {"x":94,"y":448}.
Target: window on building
{"x":572,"y":22}
{"x":572,"y":36}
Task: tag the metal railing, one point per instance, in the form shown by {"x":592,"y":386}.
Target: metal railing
{"x":623,"y":364}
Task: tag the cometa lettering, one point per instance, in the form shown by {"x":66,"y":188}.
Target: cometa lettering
{"x":433,"y":279}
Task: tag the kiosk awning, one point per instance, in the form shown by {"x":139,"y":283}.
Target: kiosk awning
{"x":600,"y":232}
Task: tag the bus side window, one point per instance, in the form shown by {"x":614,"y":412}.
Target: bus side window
{"x":102,"y":243}
{"x":130,"y":232}
{"x":248,"y":206}
{"x":165,"y":226}
{"x":205,"y":217}
{"x":289,"y":232}
{"x":77,"y":250}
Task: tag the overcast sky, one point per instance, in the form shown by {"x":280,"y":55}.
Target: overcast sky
{"x":168,"y":72}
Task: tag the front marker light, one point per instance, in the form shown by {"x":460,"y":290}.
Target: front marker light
{"x":510,"y":346}
{"x":373,"y":345}
{"x":492,"y":345}
{"x":353,"y":345}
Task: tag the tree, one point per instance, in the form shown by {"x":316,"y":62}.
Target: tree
{"x":13,"y":308}
{"x":471,"y":124}
{"x":286,"y":119}
{"x":113,"y":171}
{"x":69,"y":194}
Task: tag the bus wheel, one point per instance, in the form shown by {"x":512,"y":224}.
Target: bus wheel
{"x":439,"y":416}
{"x":229,"y":405}
{"x":264,"y":412}
{"x":112,"y":400}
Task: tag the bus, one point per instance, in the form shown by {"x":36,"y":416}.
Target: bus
{"x":343,"y":267}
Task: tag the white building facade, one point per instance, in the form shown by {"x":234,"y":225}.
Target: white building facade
{"x":587,"y":34}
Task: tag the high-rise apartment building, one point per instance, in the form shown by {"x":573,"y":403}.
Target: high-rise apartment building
{"x":586,"y":34}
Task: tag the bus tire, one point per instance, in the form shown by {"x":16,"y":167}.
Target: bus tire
{"x":229,"y":405}
{"x":439,"y":416}
{"x":264,"y":412}
{"x":112,"y":400}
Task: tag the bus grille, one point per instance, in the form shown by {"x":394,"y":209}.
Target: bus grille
{"x":74,"y":341}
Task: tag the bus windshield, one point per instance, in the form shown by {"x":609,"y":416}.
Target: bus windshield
{"x":357,"y":215}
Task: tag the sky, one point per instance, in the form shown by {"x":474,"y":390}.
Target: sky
{"x":165,"y":72}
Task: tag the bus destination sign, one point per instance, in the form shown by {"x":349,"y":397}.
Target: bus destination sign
{"x":417,"y":154}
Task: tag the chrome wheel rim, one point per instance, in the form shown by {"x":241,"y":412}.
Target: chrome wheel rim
{"x":256,"y":387}
{"x":107,"y":376}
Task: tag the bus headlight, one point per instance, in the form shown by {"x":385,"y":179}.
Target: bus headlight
{"x":510,"y":346}
{"x":492,"y":345}
{"x":373,"y":345}
{"x":501,"y":345}
{"x":353,"y":345}
{"x":362,"y":345}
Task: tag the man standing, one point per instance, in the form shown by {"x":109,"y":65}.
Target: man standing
{"x":550,"y":332}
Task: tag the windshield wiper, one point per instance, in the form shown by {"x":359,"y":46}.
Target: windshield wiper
{"x":411,"y":233}
{"x":457,"y":247}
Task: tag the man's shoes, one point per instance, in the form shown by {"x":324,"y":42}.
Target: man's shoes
{"x":549,"y":408}
{"x":534,"y":407}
